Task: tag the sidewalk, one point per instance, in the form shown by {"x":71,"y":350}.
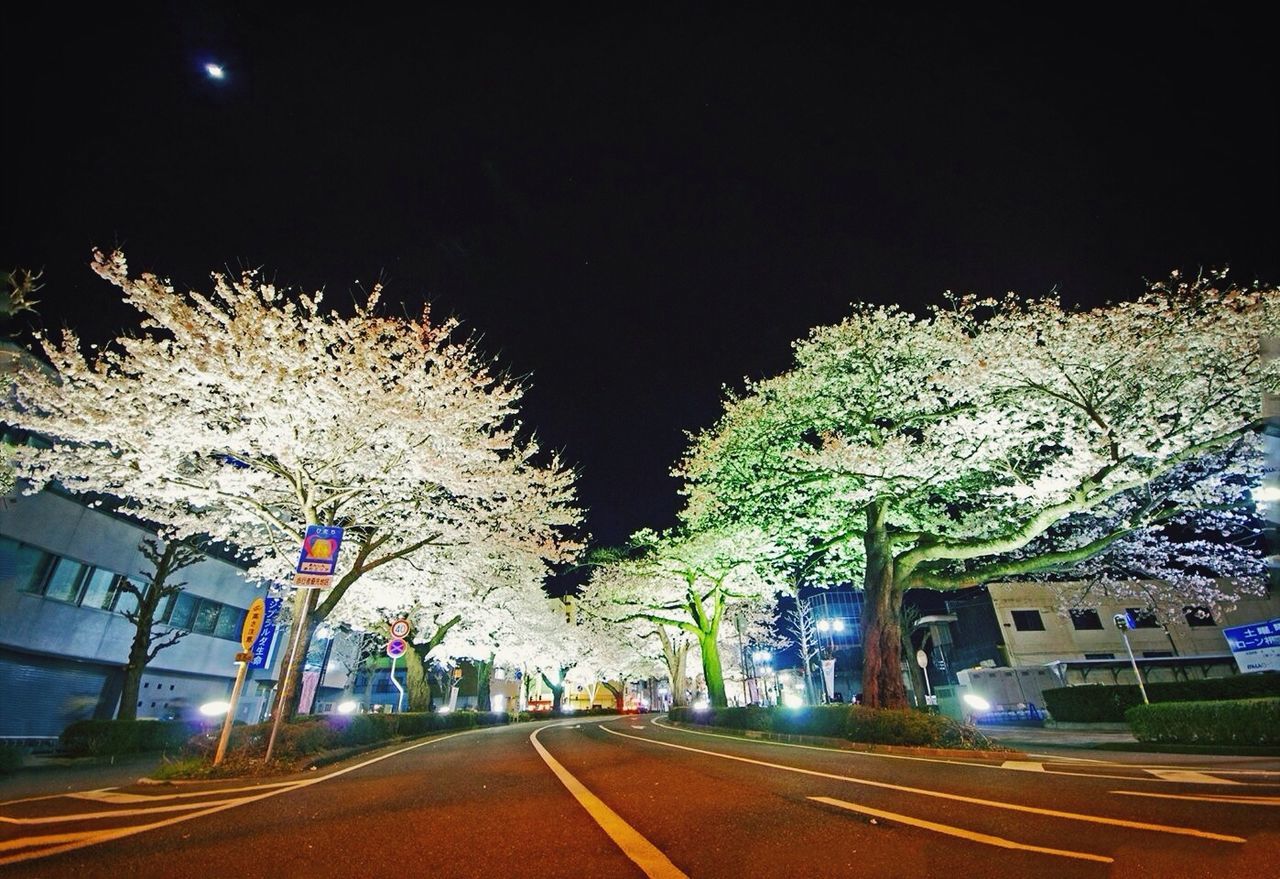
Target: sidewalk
{"x":45,"y":776}
{"x":1054,"y":737}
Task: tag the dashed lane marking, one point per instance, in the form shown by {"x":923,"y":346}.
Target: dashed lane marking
{"x":1187,"y":777}
{"x":995,"y":804}
{"x":972,"y":836}
{"x":645,"y":854}
{"x":1239,"y":799}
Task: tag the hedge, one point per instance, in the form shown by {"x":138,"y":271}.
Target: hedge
{"x":884,"y":726}
{"x":1237,"y":722}
{"x":311,"y":735}
{"x":102,"y":737}
{"x":1102,"y":703}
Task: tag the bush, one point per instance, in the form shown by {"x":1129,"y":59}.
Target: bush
{"x":311,"y":735}
{"x":1237,"y":722}
{"x":1101,"y":703}
{"x":854,"y":722}
{"x":103,"y":737}
{"x":11,"y":757}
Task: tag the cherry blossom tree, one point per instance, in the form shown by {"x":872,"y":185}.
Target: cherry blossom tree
{"x":251,"y":412}
{"x":989,"y":440}
{"x":685,"y":581}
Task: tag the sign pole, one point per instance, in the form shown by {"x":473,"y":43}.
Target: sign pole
{"x":243,"y":667}
{"x":400,"y":699}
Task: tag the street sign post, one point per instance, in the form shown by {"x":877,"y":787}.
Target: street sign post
{"x":922,"y":660}
{"x":395,"y":649}
{"x":319,"y":557}
{"x":253,"y":620}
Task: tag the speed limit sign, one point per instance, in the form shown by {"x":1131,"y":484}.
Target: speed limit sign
{"x":400,"y":628}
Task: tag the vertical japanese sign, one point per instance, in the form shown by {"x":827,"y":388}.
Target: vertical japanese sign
{"x":261,"y":647}
{"x":319,"y":558}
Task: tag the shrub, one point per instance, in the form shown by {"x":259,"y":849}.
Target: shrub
{"x":1101,"y":703}
{"x":103,"y":737}
{"x":854,"y":722}
{"x":1236,"y":722}
{"x":11,"y":757}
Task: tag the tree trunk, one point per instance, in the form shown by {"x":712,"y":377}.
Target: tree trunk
{"x":145,"y":615}
{"x":882,"y":625}
{"x":304,"y":604}
{"x":416,"y":682}
{"x":712,"y":670}
{"x":618,"y":693}
{"x":557,"y":691}
{"x":484,"y":670}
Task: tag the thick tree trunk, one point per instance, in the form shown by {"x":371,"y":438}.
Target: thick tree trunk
{"x":712,"y":671}
{"x":618,"y":693}
{"x":882,"y":625}
{"x":484,"y":671}
{"x":291,"y":680}
{"x":557,"y":691}
{"x":416,"y":681}
{"x":680,"y":674}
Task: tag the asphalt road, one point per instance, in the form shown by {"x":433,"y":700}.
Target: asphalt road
{"x":629,"y":797}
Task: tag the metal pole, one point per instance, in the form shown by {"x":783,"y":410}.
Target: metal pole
{"x":300,"y":606}
{"x":400,"y":701}
{"x":231,"y":713}
{"x":1137,"y":674}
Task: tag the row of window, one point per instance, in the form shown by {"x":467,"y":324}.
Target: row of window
{"x":57,"y":578}
{"x":1087,"y":619}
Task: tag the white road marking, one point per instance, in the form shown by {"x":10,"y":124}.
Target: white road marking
{"x":117,"y":813}
{"x":637,"y":726}
{"x":995,"y":804}
{"x":110,"y":795}
{"x":1023,"y":765}
{"x":974,"y":765}
{"x":1186,"y":776}
{"x":1244,"y":799}
{"x":949,"y":830}
{"x":645,"y":854}
{"x":81,"y":840}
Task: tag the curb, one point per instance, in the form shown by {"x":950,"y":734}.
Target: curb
{"x":860,"y":747}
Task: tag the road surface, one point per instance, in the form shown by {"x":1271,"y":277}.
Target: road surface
{"x":632,"y":796}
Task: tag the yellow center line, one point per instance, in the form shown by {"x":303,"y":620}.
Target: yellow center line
{"x":645,"y":854}
{"x":995,"y":804}
{"x":52,"y":839}
{"x":960,"y":832}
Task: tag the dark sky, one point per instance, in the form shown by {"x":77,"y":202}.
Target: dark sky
{"x":636,"y":207}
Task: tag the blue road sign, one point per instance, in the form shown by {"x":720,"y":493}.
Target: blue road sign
{"x":319,"y":557}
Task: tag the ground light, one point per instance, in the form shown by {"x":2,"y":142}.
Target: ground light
{"x":214,"y":709}
{"x":498,"y":706}
{"x":347,"y":707}
{"x":977,"y":702}
{"x":792,"y":700}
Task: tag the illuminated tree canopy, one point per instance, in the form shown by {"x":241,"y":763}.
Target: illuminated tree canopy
{"x":992,"y":439}
{"x":248,"y":413}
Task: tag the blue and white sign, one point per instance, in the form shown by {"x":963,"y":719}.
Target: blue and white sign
{"x":261,"y":648}
{"x":319,"y":558}
{"x":1256,"y":646}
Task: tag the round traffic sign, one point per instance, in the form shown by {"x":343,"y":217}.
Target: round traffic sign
{"x":400,"y":628}
{"x":396,"y":647}
{"x":922,"y":658}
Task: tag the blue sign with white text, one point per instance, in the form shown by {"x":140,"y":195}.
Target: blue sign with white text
{"x":1254,"y":636}
{"x":261,"y":648}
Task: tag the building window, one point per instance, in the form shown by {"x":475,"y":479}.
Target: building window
{"x":65,"y":581}
{"x":98,"y":589}
{"x":182,"y":610}
{"x":1099,"y":656}
{"x":1084,"y":620}
{"x":22,"y":567}
{"x":1027,"y":621}
{"x":1156,"y":654}
{"x":230,"y":622}
{"x":206,"y":621}
{"x":126,"y":602}
{"x":1198,"y":616}
{"x":1141,"y":618}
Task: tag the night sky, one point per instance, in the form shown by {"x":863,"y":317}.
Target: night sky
{"x":637,"y":207}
